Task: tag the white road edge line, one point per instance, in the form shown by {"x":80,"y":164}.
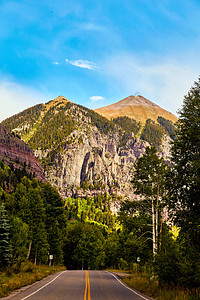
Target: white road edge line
{"x":42,"y":286}
{"x":126,"y":286}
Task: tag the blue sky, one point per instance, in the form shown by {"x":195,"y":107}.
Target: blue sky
{"x":97,"y":52}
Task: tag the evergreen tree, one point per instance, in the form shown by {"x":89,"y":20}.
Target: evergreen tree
{"x":152,"y":133}
{"x":4,"y":237}
{"x":18,"y":239}
{"x":186,"y":161}
{"x":185,"y":185}
{"x":37,"y":233}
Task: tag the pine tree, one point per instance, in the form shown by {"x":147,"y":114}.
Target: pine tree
{"x":4,"y":237}
{"x":185,"y":185}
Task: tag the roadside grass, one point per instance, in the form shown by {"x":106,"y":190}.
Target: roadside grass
{"x":141,"y":281}
{"x":28,"y":273}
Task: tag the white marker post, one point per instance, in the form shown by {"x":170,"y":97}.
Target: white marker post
{"x":50,"y":259}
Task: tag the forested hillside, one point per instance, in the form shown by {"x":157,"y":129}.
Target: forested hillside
{"x":77,"y":145}
{"x":47,"y":125}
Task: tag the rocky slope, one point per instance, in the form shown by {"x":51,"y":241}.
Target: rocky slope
{"x":135,"y":107}
{"x":14,"y":151}
{"x":79,"y":149}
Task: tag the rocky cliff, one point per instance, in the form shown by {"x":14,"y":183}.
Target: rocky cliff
{"x":97,"y":164}
{"x":13,"y":151}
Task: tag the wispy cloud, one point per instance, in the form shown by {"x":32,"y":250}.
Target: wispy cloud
{"x":56,"y":63}
{"x":15,"y":98}
{"x":84,"y":64}
{"x":96,"y":98}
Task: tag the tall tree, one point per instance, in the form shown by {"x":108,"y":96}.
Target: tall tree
{"x":185,"y":188}
{"x":149,"y":182}
{"x":4,"y":237}
{"x":185,"y":183}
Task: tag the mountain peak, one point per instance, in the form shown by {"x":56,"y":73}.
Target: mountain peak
{"x":133,"y":100}
{"x":58,"y":101}
{"x":135,"y":107}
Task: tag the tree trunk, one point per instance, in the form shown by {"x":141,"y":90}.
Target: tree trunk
{"x":29,"y":249}
{"x":153,"y":228}
{"x":157,"y":215}
{"x":161,"y":223}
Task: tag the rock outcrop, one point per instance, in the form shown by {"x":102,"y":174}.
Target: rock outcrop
{"x":13,"y":151}
{"x":98,"y":162}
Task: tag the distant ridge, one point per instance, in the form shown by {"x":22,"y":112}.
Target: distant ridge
{"x":135,"y":107}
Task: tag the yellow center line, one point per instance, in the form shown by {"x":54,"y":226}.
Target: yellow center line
{"x":87,"y":286}
{"x":85,"y":294}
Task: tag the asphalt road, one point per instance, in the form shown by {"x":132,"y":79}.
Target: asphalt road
{"x":79,"y":285}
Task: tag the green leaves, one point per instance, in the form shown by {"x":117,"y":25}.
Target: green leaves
{"x":4,"y":237}
{"x":128,"y":124}
{"x":186,"y":158}
{"x":152,"y":133}
{"x":150,"y":173}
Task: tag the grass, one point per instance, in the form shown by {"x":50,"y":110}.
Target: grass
{"x":15,"y":278}
{"x":142,"y":282}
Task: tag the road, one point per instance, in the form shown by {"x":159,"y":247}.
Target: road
{"x":79,"y":285}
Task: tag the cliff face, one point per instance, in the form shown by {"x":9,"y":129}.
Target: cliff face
{"x":14,"y":151}
{"x":97,"y":162}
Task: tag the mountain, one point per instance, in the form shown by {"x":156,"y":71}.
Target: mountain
{"x":13,"y":151}
{"x":82,"y":152}
{"x":135,"y":107}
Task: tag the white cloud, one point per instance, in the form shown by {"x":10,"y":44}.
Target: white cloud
{"x":84,"y":64}
{"x":15,"y":98}
{"x":96,"y":98}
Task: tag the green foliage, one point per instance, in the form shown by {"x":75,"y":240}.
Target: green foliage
{"x":89,"y":249}
{"x":167,"y":262}
{"x":112,"y":248}
{"x":168,"y":126}
{"x":37,"y":217}
{"x":92,"y":210}
{"x":185,"y":187}
{"x":4,"y":237}
{"x":136,"y":221}
{"x":29,"y":116}
{"x":54,"y":127}
{"x":19,"y":231}
{"x":150,"y":182}
{"x":152,"y":133}
{"x":55,"y":221}
{"x":128,"y":124}
{"x":104,"y":125}
{"x":150,"y":174}
{"x":48,"y":126}
{"x":84,"y":246}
